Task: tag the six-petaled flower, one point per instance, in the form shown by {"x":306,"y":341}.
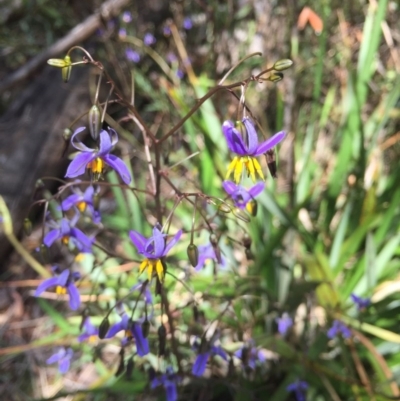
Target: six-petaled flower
{"x":337,"y":328}
{"x":66,"y":231}
{"x":247,"y":148}
{"x":132,"y":330}
{"x":299,"y":388}
{"x":206,"y":350}
{"x":362,"y":303}
{"x":168,"y":380}
{"x":285,"y":322}
{"x":81,"y":201}
{"x":64,"y":283}
{"x":207,"y":252}
{"x":63,"y":357}
{"x":241,"y":196}
{"x":95,"y":160}
{"x":250,"y":355}
{"x":154,"y":249}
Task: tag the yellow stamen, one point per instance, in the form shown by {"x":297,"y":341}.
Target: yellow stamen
{"x":96,"y":166}
{"x":231,"y":167}
{"x":249,"y":207}
{"x":93,"y":339}
{"x":238,"y":170}
{"x":258,"y":168}
{"x":61,"y":290}
{"x":65,"y":240}
{"x":152,"y":266}
{"x":81,"y":206}
{"x":79,"y":257}
{"x":128,"y":334}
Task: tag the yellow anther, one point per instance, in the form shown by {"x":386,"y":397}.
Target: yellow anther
{"x":61,"y":290}
{"x":65,"y":239}
{"x":81,"y":206}
{"x":96,"y":166}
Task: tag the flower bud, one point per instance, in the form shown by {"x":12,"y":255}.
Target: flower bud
{"x":247,"y":241}
{"x":129,"y":368}
{"x":275,"y":77}
{"x":224,"y":208}
{"x":252,"y":207}
{"x":66,"y":71}
{"x":213,"y":240}
{"x":27,"y":226}
{"x":94,"y":122}
{"x":145,"y":328}
{"x":283,"y":64}
{"x":67,"y":133}
{"x":103,"y":328}
{"x":193,"y":254}
{"x":162,"y":339}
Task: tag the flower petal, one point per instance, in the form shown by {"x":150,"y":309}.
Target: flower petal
{"x":63,"y":365}
{"x":70,"y":201}
{"x":116,"y":328}
{"x":229,"y":187}
{"x":234,"y":139}
{"x":74,"y":297}
{"x":172,"y":242}
{"x":81,"y":237}
{"x":252,"y":138}
{"x":50,"y":282}
{"x":200,"y":363}
{"x":138,"y":240}
{"x":256,"y":189}
{"x":63,"y":278}
{"x":119,"y":166}
{"x":172,"y":394}
{"x":142,"y":344}
{"x":270,"y":143}
{"x":78,"y":144}
{"x":78,"y":165}
{"x":57,"y":356}
{"x":105,"y":143}
{"x":51,"y":236}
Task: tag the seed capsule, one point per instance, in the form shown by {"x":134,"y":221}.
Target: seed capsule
{"x":129,"y":368}
{"x":145,"y":328}
{"x":193,"y":254}
{"x":283,"y":64}
{"x":44,"y":252}
{"x":249,"y":254}
{"x":66,"y":71}
{"x":275,"y":77}
{"x":162,"y":340}
{"x":103,"y":328}
{"x":224,"y":208}
{"x":213,"y":239}
{"x":121,"y":366}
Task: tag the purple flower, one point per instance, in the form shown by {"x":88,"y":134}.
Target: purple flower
{"x":127,"y":17}
{"x":299,"y":387}
{"x":205,"y":351}
{"x":65,"y":230}
{"x":168,"y":380}
{"x":64,"y":283}
{"x":153,"y":248}
{"x":90,"y":332}
{"x":63,"y":357}
{"x":285,"y":322}
{"x":207,"y":252}
{"x":247,"y":149}
{"x":187,"y":23}
{"x":132,"y":55}
{"x":148,"y":299}
{"x":122,"y":33}
{"x":167,"y":30}
{"x":240,"y":195}
{"x":95,"y":159}
{"x":338,"y":328}
{"x":132,"y":329}
{"x":81,"y":201}
{"x":250,"y":355}
{"x":362,"y":303}
{"x":149,"y":39}
{"x":171,"y":57}
{"x":179,"y":73}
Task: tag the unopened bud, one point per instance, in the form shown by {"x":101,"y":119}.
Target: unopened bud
{"x":66,"y":71}
{"x":224,"y":208}
{"x":252,"y":207}
{"x":44,"y":252}
{"x":145,"y":328}
{"x":27,"y":226}
{"x":94,"y":117}
{"x":283,"y":64}
{"x":129,"y":368}
{"x":103,"y":328}
{"x":162,"y":339}
{"x":193,"y":254}
{"x":275,"y":77}
{"x":213,"y":239}
{"x":247,"y":241}
{"x":67,"y":133}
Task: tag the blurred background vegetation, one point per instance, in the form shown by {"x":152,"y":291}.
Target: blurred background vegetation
{"x":327,"y":227}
